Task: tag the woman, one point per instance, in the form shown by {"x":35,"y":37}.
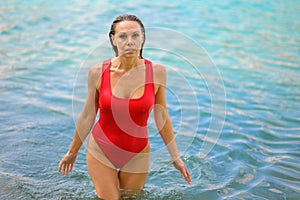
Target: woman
{"x":125,"y":88}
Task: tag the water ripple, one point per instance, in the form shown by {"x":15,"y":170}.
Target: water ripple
{"x":257,"y":153}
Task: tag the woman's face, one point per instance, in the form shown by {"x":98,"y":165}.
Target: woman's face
{"x":128,"y":38}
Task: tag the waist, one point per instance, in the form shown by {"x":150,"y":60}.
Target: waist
{"x":134,"y":141}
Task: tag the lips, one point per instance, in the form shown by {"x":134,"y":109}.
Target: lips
{"x":130,"y":50}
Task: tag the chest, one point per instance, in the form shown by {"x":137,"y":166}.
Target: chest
{"x":128,"y":85}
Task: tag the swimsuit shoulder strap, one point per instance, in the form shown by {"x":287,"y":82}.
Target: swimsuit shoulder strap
{"x":149,"y":74}
{"x":105,"y":71}
{"x":105,"y":65}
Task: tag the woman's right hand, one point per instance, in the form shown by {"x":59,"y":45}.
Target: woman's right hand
{"x":66,"y":163}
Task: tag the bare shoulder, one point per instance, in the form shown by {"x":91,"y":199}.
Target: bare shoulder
{"x":160,"y":73}
{"x":94,"y":75}
{"x":95,"y":70}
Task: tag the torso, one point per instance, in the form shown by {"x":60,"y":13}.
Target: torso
{"x":125,"y":100}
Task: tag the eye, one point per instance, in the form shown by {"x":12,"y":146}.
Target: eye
{"x":136,"y":35}
{"x":122,"y":36}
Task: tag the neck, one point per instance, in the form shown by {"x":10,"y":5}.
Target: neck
{"x":126,"y":63}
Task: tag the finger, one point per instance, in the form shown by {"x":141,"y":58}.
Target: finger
{"x":64,"y":169}
{"x":188,"y":176}
{"x":67,"y":169}
{"x":188,"y":179}
{"x":188,"y":172}
{"x":183,"y":171}
{"x":71,"y":168}
{"x":59,"y":167}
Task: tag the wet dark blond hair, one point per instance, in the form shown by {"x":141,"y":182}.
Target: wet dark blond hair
{"x":122,"y":18}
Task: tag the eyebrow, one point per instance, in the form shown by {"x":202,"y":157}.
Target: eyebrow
{"x":137,"y":31}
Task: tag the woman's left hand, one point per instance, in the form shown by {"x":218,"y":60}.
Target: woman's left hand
{"x":179,"y":165}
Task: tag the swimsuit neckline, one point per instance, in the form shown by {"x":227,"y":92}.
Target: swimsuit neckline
{"x":128,"y":99}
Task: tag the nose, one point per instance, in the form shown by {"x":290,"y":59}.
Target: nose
{"x":130,"y":41}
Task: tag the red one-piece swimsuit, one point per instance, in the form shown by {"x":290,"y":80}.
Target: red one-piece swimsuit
{"x":121,"y":131}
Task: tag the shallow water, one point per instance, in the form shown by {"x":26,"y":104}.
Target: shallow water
{"x":243,"y":94}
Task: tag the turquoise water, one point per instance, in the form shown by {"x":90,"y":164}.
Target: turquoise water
{"x":243,"y":94}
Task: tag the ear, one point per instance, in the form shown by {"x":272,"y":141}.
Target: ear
{"x":113,"y":40}
{"x":143,"y":37}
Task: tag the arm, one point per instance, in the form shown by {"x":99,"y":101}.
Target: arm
{"x":163,"y":121}
{"x":85,"y":121}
